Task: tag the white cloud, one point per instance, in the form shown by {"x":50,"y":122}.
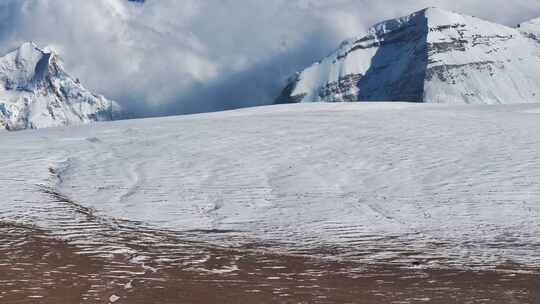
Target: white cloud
{"x":196,"y":55}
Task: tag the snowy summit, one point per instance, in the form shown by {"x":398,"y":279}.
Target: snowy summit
{"x":433,"y":56}
{"x":36,"y":92}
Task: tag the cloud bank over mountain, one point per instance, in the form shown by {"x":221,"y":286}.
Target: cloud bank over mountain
{"x":162,"y":57}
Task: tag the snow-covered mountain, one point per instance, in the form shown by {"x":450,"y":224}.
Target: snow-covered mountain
{"x":432,"y":56}
{"x":532,"y":28}
{"x":36,"y":92}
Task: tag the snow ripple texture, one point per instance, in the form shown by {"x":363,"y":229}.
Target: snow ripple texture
{"x":371,"y":182}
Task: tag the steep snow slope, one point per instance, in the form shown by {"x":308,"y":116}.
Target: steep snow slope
{"x":36,"y":92}
{"x":431,"y":56}
{"x":449,"y":185}
{"x":532,"y":28}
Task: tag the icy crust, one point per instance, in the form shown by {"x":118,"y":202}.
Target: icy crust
{"x":36,"y":92}
{"x":429,"y":56}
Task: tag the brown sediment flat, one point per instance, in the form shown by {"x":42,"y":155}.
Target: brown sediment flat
{"x":35,"y":268}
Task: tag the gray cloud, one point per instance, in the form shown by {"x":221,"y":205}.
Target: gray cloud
{"x":169,"y":56}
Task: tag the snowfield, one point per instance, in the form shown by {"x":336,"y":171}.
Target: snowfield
{"x":378,"y":182}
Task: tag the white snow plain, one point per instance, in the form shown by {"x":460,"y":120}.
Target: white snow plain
{"x":448,"y":184}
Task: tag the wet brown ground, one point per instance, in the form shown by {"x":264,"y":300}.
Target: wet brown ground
{"x":35,"y":268}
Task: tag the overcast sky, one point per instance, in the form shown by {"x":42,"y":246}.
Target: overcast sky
{"x":182,"y":56}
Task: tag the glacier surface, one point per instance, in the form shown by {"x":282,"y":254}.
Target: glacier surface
{"x":366,"y":181}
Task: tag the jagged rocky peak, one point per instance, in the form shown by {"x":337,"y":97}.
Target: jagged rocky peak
{"x":36,"y":92}
{"x":28,"y":67}
{"x":432,"y":55}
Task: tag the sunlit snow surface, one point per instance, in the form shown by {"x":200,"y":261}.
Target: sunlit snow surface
{"x":374,"y":182}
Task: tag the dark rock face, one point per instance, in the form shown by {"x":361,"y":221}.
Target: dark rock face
{"x":400,"y":62}
{"x":533,"y":37}
{"x":341,"y":88}
{"x":456,"y":44}
{"x":443,"y":72}
{"x":286,"y":94}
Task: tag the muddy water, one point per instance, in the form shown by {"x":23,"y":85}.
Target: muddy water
{"x":37,"y":268}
